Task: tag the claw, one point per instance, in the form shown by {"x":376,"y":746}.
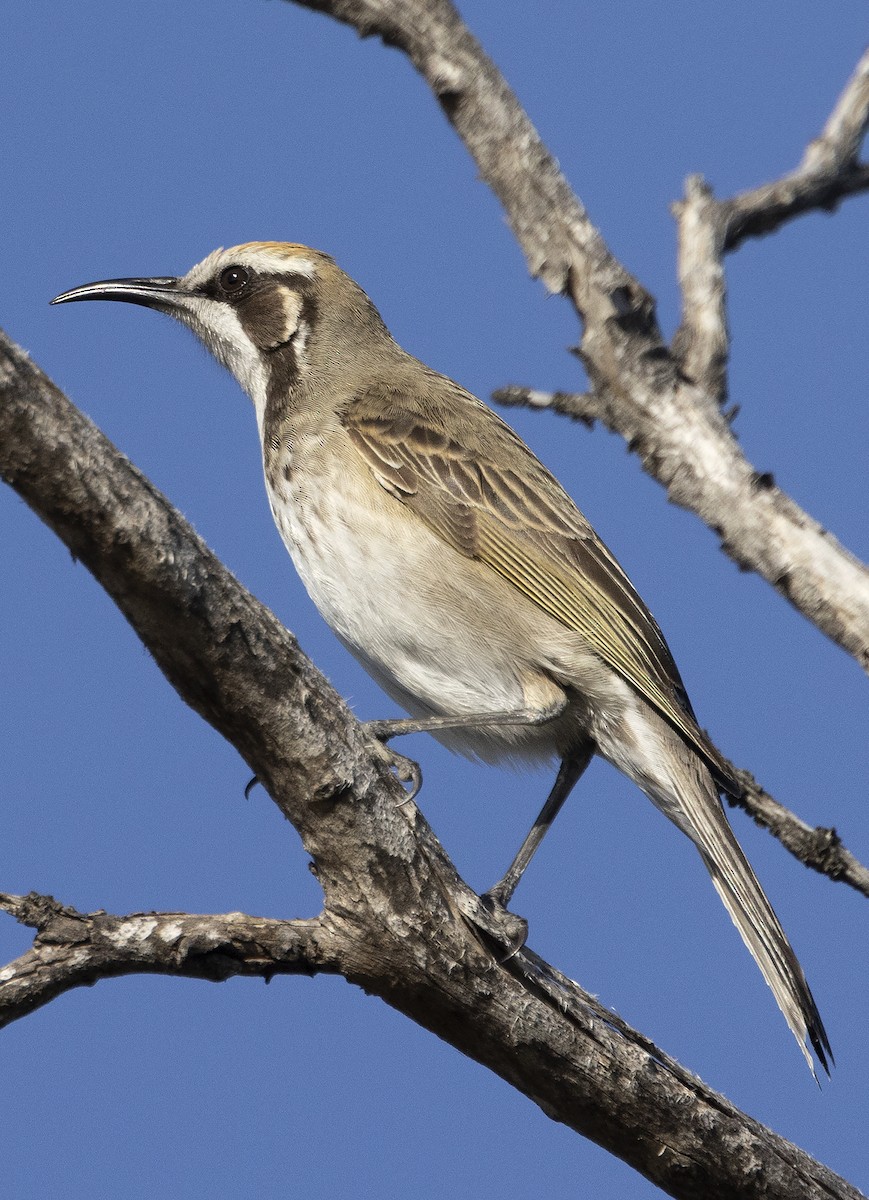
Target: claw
{"x":251,"y":784}
{"x":510,"y":929}
{"x":405,"y":769}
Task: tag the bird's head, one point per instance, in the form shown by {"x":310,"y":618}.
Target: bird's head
{"x":260,"y":309}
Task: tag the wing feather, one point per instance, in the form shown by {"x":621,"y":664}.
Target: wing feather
{"x":448,"y":469}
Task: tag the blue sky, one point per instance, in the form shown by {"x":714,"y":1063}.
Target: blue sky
{"x":136,"y":139}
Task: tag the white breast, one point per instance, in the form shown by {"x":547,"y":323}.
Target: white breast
{"x":390,"y":589}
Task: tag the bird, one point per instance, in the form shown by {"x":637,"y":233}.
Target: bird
{"x":455,"y":567}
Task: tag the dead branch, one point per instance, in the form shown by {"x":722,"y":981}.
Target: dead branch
{"x":73,"y":949}
{"x":830,"y":171}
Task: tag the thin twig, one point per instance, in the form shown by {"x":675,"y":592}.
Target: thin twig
{"x":579,"y":406}
{"x":829,"y":171}
{"x":818,"y":847}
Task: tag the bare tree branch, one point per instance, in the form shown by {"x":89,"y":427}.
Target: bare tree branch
{"x":74,"y":949}
{"x":708,"y":228}
{"x":579,"y":406}
{"x":701,"y":341}
{"x":819,"y":848}
{"x":643,"y":391}
{"x":829,"y":172}
{"x":842,"y":136}
{"x":393,"y":919}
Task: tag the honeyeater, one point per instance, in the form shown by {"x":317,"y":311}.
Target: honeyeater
{"x":456,"y":568}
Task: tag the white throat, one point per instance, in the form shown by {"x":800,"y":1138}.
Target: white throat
{"x":217,"y":326}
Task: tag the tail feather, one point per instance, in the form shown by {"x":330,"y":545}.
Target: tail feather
{"x":681,"y":786}
{"x":753,"y":916}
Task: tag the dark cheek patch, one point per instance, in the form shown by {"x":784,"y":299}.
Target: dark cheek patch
{"x":270,"y":315}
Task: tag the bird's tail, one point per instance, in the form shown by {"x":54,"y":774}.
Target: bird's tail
{"x":704,"y":820}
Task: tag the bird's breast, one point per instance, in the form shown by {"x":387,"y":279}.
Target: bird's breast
{"x":434,"y":628}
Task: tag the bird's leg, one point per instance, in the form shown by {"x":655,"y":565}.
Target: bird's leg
{"x":385,"y":730}
{"x":408,"y":771}
{"x":572,"y":766}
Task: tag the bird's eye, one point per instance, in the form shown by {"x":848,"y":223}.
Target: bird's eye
{"x":233,"y":279}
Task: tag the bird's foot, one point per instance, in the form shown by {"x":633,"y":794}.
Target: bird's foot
{"x":508,"y":929}
{"x":405,"y":769}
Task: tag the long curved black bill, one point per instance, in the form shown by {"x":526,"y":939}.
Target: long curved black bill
{"x":152,"y":293}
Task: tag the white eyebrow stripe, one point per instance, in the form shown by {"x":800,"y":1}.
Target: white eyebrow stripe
{"x":270,"y":262}
{"x":265,"y":261}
